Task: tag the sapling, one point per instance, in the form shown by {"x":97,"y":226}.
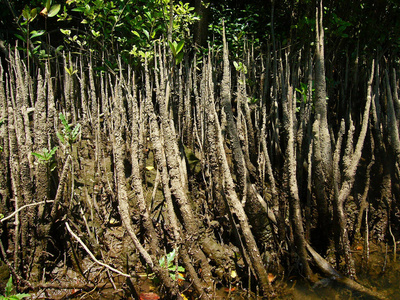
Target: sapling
{"x":9,"y":290}
{"x":47,"y":157}
{"x":171,"y":266}
{"x":69,"y":134}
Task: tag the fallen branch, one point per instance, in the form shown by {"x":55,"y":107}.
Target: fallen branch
{"x":91,"y":254}
{"x":22,"y":207}
{"x":326,"y":268}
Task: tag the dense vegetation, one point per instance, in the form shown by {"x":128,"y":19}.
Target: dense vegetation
{"x":207,"y":144}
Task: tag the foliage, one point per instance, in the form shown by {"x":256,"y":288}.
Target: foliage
{"x":176,"y":50}
{"x":128,"y":28}
{"x":239,"y":25}
{"x":303,"y":91}
{"x":47,"y":157}
{"x":172,"y":268}
{"x":28,"y":36}
{"x":8,"y":293}
{"x":69,"y":133}
{"x":240,"y":67}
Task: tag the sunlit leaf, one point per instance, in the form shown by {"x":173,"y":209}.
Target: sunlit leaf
{"x":54,"y":10}
{"x":146,"y":33}
{"x":172,"y":47}
{"x":180,"y":46}
{"x":37,"y":33}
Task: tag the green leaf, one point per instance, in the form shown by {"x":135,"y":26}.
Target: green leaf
{"x":179,"y":58}
{"x":79,"y":9}
{"x":65,"y":31}
{"x":75,"y":132}
{"x":19,"y":296}
{"x":181,"y":269}
{"x":60,"y":137}
{"x":9,"y":287}
{"x":37,"y":33}
{"x":38,"y":155}
{"x":180,"y":46}
{"x":33,"y":14}
{"x":146,"y":33}
{"x":26,"y":13}
{"x":64,"y":122}
{"x":54,"y":10}
{"x":53,"y":151}
{"x":171,"y":257}
{"x":20,"y":37}
{"x":172,"y":46}
{"x":161,"y":262}
{"x":48,"y":4}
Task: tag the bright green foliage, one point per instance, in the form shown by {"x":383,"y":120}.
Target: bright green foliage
{"x":28,"y":15}
{"x":240,"y":67}
{"x":49,"y":10}
{"x":128,"y":28}
{"x":176,"y":50}
{"x":8,"y":295}
{"x":69,"y":134}
{"x":47,"y":157}
{"x":171,"y":266}
{"x":303,"y":90}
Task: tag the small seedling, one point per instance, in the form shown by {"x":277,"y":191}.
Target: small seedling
{"x":9,"y":290}
{"x":172,"y":268}
{"x":69,"y":134}
{"x":47,"y":157}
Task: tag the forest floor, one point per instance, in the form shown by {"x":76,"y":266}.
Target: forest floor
{"x":82,"y":278}
{"x":381,"y":274}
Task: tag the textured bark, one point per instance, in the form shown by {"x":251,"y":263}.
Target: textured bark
{"x":178,"y":187}
{"x":392,"y":121}
{"x":351,"y":160}
{"x":201,"y":27}
{"x":41,"y":172}
{"x":235,"y":206}
{"x":239,"y":161}
{"x":24,"y":144}
{"x":322,"y":143}
{"x":16,"y":184}
{"x":5,"y":153}
{"x":40,"y":134}
{"x":294,"y":201}
{"x":123,"y":205}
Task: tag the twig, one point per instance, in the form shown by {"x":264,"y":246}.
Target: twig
{"x":22,"y":207}
{"x":394,"y":243}
{"x":91,"y":254}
